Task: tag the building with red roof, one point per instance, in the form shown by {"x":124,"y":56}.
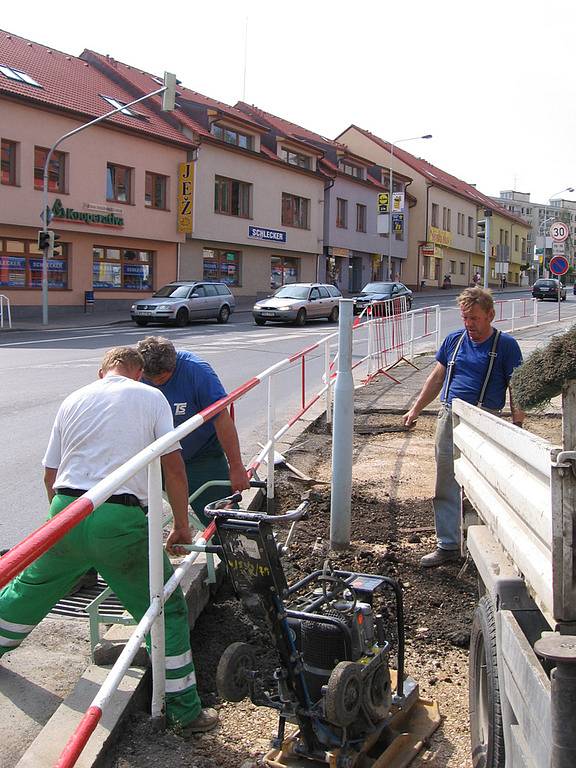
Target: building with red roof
{"x":112,"y":188}
{"x":443,"y":237}
{"x":357,"y":249}
{"x":257,"y":218}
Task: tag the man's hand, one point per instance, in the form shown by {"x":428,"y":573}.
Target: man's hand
{"x":239,"y":479}
{"x":410,"y":417}
{"x":180,"y":535}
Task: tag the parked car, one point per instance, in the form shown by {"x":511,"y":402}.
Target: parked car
{"x":381,"y":292}
{"x":548,"y":289}
{"x":179,"y":303}
{"x":299,"y":302}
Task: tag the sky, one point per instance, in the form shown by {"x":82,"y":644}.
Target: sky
{"x":493,"y":82}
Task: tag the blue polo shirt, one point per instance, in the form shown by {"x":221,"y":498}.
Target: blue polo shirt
{"x":192,"y":387}
{"x":471,"y":365}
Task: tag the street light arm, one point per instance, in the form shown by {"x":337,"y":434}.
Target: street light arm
{"x":169,"y":83}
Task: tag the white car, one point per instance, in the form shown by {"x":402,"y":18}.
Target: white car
{"x":179,"y":303}
{"x":298,"y":302}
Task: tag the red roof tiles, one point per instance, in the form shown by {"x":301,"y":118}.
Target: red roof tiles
{"x":441,"y":178}
{"x":69,"y":83}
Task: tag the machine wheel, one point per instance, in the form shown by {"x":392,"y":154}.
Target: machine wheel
{"x":141,"y":321}
{"x":377,"y":695}
{"x":563,"y":298}
{"x":334,"y":315}
{"x":486,"y":730}
{"x":224,"y":314}
{"x":300,"y":317}
{"x":259,"y":321}
{"x":231,"y":677}
{"x":344,"y":693}
{"x":181,"y":317}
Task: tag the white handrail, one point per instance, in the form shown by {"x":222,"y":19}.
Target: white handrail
{"x":5,"y":300}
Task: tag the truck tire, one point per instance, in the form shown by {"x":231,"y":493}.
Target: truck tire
{"x":486,"y":730}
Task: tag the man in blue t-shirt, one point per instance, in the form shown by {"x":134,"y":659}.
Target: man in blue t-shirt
{"x":475,"y":365}
{"x":211,"y":452}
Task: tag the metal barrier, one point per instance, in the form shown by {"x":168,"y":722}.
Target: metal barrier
{"x":4,"y":300}
{"x":387,"y":344}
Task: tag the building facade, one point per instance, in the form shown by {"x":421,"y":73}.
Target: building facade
{"x":442,"y":239}
{"x":112,"y":189}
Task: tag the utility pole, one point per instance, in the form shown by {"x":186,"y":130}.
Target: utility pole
{"x":168,"y":104}
{"x":487,"y":219}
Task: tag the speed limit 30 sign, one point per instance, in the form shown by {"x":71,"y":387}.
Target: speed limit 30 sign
{"x":559,"y":231}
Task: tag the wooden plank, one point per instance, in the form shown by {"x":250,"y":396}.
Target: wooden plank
{"x":529,"y":554}
{"x":529,"y":448}
{"x":522,"y":487}
{"x":527,"y":688}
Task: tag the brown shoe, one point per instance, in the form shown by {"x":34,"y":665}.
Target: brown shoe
{"x":439,"y":557}
{"x":206,"y":721}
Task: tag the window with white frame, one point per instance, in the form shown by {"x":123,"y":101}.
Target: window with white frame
{"x":18,"y":75}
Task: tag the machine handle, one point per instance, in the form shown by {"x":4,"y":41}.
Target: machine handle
{"x":221,"y":509}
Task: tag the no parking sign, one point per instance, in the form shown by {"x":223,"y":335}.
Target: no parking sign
{"x":558,"y":265}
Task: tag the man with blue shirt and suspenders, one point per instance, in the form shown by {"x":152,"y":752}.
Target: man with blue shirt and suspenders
{"x":211,"y":452}
{"x":474,"y":365}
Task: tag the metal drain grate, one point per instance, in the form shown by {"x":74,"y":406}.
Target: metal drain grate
{"x":73,"y":606}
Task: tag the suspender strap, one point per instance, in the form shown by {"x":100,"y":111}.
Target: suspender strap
{"x":492,"y":356}
{"x":450,"y":372}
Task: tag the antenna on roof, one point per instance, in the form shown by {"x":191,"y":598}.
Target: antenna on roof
{"x":245,"y":59}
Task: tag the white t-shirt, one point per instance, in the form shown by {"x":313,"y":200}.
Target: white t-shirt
{"x":101,"y":426}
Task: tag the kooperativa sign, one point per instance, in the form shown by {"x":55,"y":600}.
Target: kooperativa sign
{"x":85,"y":217}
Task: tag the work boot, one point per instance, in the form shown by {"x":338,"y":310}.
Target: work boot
{"x":439,"y":557}
{"x":206,"y":721}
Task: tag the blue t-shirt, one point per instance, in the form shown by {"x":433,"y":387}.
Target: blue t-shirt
{"x":192,"y":387}
{"x":471,"y":365}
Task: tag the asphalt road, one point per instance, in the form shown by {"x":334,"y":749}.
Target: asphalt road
{"x":38,"y":369}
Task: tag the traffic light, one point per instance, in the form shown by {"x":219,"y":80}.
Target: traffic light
{"x":55,"y":245}
{"x":44,"y":240}
{"x":481,"y":228}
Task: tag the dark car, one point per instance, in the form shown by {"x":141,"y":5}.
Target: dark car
{"x":547,"y":288}
{"x":381,"y":292}
{"x":179,"y":303}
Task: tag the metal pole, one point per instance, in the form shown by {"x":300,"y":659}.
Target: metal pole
{"x":45,"y":221}
{"x":390,"y":215}
{"x":156,"y":568}
{"x":327,"y":376}
{"x":342,"y":433}
{"x":270,"y":470}
{"x":486,"y":249}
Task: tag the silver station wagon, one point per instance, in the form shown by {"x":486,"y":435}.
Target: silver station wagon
{"x":298,"y":302}
{"x":182,"y":302}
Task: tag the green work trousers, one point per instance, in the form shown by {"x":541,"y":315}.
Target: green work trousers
{"x":209,"y":464}
{"x":114,"y":540}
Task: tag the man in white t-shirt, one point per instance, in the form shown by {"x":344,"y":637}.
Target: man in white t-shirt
{"x":97,"y":429}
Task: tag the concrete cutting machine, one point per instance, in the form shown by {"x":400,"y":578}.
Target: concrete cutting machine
{"x":334,"y":689}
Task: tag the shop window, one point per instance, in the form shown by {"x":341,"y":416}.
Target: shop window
{"x":283,"y":270}
{"x":56,"y":170}
{"x":221,"y":266}
{"x":121,"y":269}
{"x":8,"y":163}
{"x":341,"y":213}
{"x":21,"y":265}
{"x":232,"y":197}
{"x":295,"y":211}
{"x":118,"y":183}
{"x":155,"y":192}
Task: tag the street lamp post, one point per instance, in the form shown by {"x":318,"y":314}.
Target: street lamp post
{"x":392,"y":145}
{"x":169,"y":91}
